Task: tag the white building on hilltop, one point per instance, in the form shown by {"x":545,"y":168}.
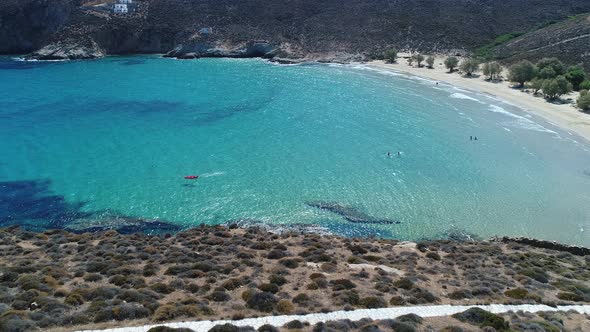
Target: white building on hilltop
{"x":125,"y":1}
{"x":121,"y":8}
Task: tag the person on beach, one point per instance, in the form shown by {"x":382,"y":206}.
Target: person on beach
{"x":389,"y":154}
{"x":475,"y":138}
{"x":471,"y":138}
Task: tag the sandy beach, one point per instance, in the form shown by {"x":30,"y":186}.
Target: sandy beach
{"x":565,"y":116}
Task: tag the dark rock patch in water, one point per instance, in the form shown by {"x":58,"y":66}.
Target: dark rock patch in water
{"x":124,"y":225}
{"x":32,"y":205}
{"x":130,"y":62}
{"x":350,"y":213}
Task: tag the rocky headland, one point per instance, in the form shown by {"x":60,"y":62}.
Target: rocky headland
{"x":286,"y":31}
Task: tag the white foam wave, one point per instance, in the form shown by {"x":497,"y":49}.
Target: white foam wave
{"x":521,"y":121}
{"x":208,"y":175}
{"x":458,"y":95}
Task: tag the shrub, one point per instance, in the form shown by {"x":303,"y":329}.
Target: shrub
{"x":522,"y":72}
{"x":276,"y":254}
{"x":74,"y":299}
{"x":451,"y":63}
{"x":91,"y":277}
{"x":397,"y":301}
{"x":130,"y":311}
{"x":556,"y":87}
{"x":568,"y":296}
{"x":231,"y":284}
{"x":410,"y":319}
{"x":537,"y":274}
{"x":460,"y":294}
{"x":536,"y":84}
{"x":271,"y":288}
{"x":165,"y":313}
{"x":430,"y":61}
{"x":482,"y":318}
{"x":550,"y":68}
{"x":193,"y":288}
{"x":583,"y":101}
{"x":277,"y":280}
{"x":404,"y":283}
{"x":470,"y":66}
{"x":267,"y":328}
{"x":399,"y":326}
{"x":433,"y":255}
{"x":372,"y":302}
{"x":492,"y":70}
{"x":169,"y":329}
{"x":219,"y":296}
{"x":264,"y":302}
{"x":585,"y":85}
{"x":341,"y":284}
{"x":227,"y":327}
{"x":247,"y":294}
{"x":294,"y":325}
{"x":575,"y":75}
{"x":285,"y":307}
{"x":161,"y":288}
{"x":517,"y":293}
{"x":391,"y":55}
{"x":150,"y":270}
{"x":289,"y":263}
{"x":301,"y":299}
{"x":418,"y":58}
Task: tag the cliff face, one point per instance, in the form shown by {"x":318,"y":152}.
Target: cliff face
{"x":295,"y":27}
{"x":26,"y":25}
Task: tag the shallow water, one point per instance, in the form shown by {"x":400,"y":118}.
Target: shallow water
{"x":117,"y":135}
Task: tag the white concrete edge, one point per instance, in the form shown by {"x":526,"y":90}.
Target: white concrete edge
{"x":376,"y":314}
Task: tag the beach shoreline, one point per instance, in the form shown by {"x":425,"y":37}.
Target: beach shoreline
{"x":565,"y":116}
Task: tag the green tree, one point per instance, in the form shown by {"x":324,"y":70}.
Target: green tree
{"x":492,"y":69}
{"x":585,"y":85}
{"x":390,"y":55}
{"x":451,"y":63}
{"x":469,"y":66}
{"x":418,"y":58}
{"x":554,"y":88}
{"x":575,"y":75}
{"x":536,"y":84}
{"x":522,"y":72}
{"x":550,"y":68}
{"x":584,"y":100}
{"x":430,"y":61}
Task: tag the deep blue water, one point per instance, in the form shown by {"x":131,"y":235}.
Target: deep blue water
{"x":85,"y":141}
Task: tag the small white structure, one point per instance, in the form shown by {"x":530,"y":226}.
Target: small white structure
{"x":206,"y":31}
{"x":125,"y":1}
{"x":121,"y":8}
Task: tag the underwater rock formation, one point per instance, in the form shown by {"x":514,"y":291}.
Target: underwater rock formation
{"x":350,"y":213}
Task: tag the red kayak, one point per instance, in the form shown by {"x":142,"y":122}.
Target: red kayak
{"x":191,"y":177}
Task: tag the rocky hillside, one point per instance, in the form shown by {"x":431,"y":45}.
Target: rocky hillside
{"x":68,"y":282}
{"x":293,"y":28}
{"x":568,"y":40}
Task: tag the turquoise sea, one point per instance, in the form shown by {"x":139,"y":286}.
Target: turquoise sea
{"x":85,"y":140}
